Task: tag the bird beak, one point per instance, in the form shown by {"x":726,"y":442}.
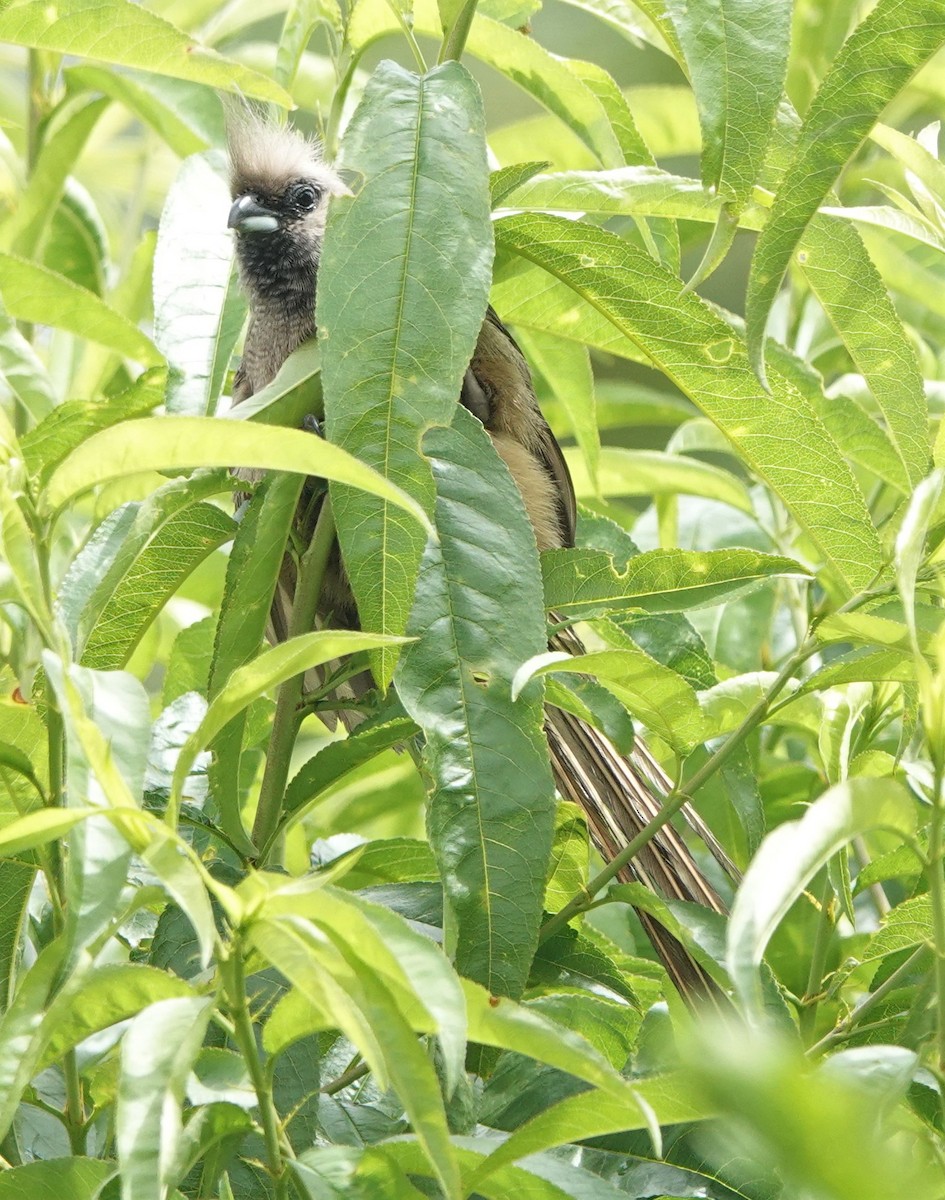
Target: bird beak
{"x":249,"y":216}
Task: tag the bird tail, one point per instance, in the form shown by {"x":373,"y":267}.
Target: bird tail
{"x":616,"y":793}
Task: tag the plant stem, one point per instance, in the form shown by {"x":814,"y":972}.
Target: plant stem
{"x":235,"y":985}
{"x":403,"y":20}
{"x":75,"y":1105}
{"x":840,"y":1031}
{"x":455,"y":39}
{"x":345,"y":1079}
{"x":677,"y":798}
{"x":287,"y":718}
{"x":818,"y":961}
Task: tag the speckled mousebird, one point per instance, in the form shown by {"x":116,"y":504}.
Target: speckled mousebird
{"x":281,"y":188}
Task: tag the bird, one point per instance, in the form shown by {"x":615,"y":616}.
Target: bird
{"x":281,"y":187}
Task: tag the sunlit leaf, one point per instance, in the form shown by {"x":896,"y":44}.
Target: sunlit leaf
{"x":420,"y":215}
{"x":873,"y":65}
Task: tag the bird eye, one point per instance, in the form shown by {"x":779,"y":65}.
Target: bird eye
{"x":306,"y":196}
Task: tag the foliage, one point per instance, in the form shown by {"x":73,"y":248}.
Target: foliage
{"x":242,"y":955}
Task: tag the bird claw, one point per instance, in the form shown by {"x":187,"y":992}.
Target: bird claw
{"x":311,"y":424}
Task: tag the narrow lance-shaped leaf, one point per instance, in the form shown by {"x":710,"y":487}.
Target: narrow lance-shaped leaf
{"x":874,"y":64}
{"x":736,"y":51}
{"x":790,"y":856}
{"x":587,"y":581}
{"x":127,"y":35}
{"x":21,"y":1029}
{"x":623,"y":472}
{"x":703,"y":354}
{"x":253,"y":568}
{"x":842,"y":274}
{"x":264,"y":672}
{"x":163,"y":443}
{"x":98,"y":855}
{"x":403,"y":287}
{"x":165,"y":563}
{"x":22,"y":371}
{"x":103,"y":573}
{"x":663,"y":700}
{"x":478,"y":613}
{"x":520,"y":59}
{"x":33,"y":293}
{"x":69,"y":424}
{"x":327,"y":966}
{"x":18,"y":553}
{"x":158,"y":1052}
{"x":187,"y":116}
{"x":192,"y":265}
{"x":69,"y":128}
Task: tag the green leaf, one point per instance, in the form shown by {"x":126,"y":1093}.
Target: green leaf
{"x":520,"y":59}
{"x":98,"y":855}
{"x":616,"y":1104}
{"x":266,"y":671}
{"x":16,"y":885}
{"x":422,"y":965}
{"x":192,"y":266}
{"x":389,"y":860}
{"x":873,"y":65}
{"x":862,"y":439}
{"x":175,"y":551}
{"x":590,"y":701}
{"x":570,"y":857}
{"x":851,"y":290}
{"x":505,"y":181}
{"x":420,"y":215}
{"x":302,"y":18}
{"x":337,"y":759}
{"x":910,"y":545}
{"x":791,"y":855}
{"x":167,"y":443}
{"x":127,"y":35}
{"x":21,"y":1030}
{"x":252,"y":572}
{"x":477,"y":614}
{"x":67,"y":426}
{"x":113,"y":992}
{"x":38,"y":828}
{"x":638,"y":23}
{"x":57,"y":1179}
{"x":100,"y":568}
{"x":295,"y":392}
{"x":18,"y":553}
{"x":23,"y":373}
{"x":33,"y":293}
{"x":188,"y":116}
{"x":705,"y":357}
{"x":736,"y":52}
{"x":331,"y":972}
{"x":76,"y":245}
{"x":587,"y":582}
{"x":157,"y":1055}
{"x":655,"y":473}
{"x":69,"y":128}
{"x":701,"y":931}
{"x":657,"y":696}
{"x":624,"y":191}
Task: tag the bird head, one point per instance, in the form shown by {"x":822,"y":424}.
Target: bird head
{"x":280,"y":187}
